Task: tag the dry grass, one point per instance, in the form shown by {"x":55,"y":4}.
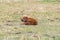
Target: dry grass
{"x":47,"y":14}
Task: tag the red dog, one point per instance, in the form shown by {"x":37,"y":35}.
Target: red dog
{"x":28,"y":21}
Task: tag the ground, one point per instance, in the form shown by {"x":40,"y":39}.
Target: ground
{"x":47,"y":13}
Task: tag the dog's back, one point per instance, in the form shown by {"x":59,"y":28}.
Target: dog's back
{"x":32,"y":21}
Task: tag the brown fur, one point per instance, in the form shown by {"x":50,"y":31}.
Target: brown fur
{"x":29,"y":21}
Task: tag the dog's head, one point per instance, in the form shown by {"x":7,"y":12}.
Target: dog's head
{"x":24,"y":19}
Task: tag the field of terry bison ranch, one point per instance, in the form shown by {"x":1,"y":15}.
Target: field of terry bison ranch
{"x":45,"y":13}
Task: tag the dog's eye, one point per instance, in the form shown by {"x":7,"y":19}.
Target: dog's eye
{"x":25,"y":21}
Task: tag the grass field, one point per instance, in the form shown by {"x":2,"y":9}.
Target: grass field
{"x":47,"y":13}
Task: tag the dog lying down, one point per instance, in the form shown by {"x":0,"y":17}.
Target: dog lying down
{"x":28,"y":20}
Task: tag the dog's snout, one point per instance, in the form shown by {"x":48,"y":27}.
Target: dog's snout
{"x":21,"y":20}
